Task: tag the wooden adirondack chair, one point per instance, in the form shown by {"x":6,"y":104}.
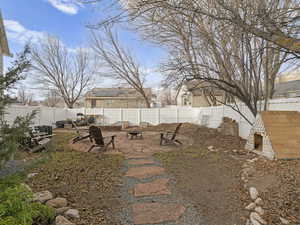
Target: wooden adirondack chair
{"x":100,"y":141}
{"x":81,"y":135}
{"x":169,"y":137}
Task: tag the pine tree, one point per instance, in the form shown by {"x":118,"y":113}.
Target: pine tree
{"x":10,"y":135}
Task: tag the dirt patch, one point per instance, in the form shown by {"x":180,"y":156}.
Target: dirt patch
{"x":202,"y":136}
{"x":279,"y":185}
{"x":211,"y":137}
{"x":210,"y":180}
{"x":147,"y":146}
{"x":88,"y":182}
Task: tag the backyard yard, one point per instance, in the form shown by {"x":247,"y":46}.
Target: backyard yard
{"x":142,"y":182}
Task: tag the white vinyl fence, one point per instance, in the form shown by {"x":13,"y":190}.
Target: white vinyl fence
{"x":209,"y":116}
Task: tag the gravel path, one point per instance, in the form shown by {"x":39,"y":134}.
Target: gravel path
{"x":129,"y":217}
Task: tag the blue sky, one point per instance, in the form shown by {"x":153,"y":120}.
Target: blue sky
{"x":32,"y":19}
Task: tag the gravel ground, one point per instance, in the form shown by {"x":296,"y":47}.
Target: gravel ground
{"x":190,"y":216}
{"x":12,"y":167}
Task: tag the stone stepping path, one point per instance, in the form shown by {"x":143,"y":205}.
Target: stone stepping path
{"x":150,"y":199}
{"x":153,"y":213}
{"x":156,"y":187}
{"x":144,"y":172}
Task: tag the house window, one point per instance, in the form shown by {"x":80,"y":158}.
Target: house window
{"x":93,"y":103}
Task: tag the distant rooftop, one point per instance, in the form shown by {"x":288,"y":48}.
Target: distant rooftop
{"x":116,"y":92}
{"x":286,"y":87}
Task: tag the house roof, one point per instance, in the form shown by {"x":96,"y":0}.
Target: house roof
{"x":3,"y":39}
{"x":116,"y":93}
{"x":286,"y":87}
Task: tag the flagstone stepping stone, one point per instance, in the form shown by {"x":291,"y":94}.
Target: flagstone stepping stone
{"x":157,"y":187}
{"x":152,"y":213}
{"x":138,"y":162}
{"x":144,"y":172}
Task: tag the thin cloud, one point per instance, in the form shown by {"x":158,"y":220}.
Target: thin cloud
{"x":70,"y":7}
{"x":18,"y":33}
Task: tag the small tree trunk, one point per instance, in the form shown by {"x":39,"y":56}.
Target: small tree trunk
{"x":148,"y":104}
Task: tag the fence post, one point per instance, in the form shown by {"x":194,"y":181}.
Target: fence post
{"x":223,"y":111}
{"x":158,"y":116}
{"x":177,"y":115}
{"x":139,"y":116}
{"x":40,"y":116}
{"x":121,"y":112}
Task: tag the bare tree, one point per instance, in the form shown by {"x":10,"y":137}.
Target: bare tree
{"x":276,"y":21}
{"x":23,"y":96}
{"x":119,"y":62}
{"x":235,"y":62}
{"x":52,"y":98}
{"x":222,"y":43}
{"x":68,"y":72}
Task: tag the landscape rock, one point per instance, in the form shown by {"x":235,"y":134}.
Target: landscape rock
{"x":61,"y":211}
{"x":42,"y":196}
{"x":60,"y":220}
{"x":259,"y":201}
{"x":251,"y":206}
{"x":284,"y":221}
{"x":210,"y":148}
{"x":57,"y":202}
{"x":255,"y":222}
{"x":249,"y":171}
{"x":253,"y":193}
{"x":31,"y":175}
{"x":259,"y":210}
{"x":255,"y":217}
{"x":72,"y":213}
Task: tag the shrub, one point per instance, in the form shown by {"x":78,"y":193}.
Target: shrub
{"x":16,"y":208}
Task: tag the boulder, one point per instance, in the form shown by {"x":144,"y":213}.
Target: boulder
{"x":253,"y":193}
{"x":251,"y":206}
{"x":31,"y":175}
{"x":57,"y":202}
{"x":284,"y":221}
{"x":255,"y":222}
{"x":72,"y":213}
{"x":259,"y":210}
{"x":42,"y":196}
{"x":60,"y":220}
{"x":61,"y":211}
{"x":259,"y":201}
{"x":255,"y":217}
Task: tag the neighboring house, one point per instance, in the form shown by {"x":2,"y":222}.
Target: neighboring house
{"x":116,"y":98}
{"x":288,"y":76}
{"x":4,"y":49}
{"x":290,"y":89}
{"x":199,"y":94}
